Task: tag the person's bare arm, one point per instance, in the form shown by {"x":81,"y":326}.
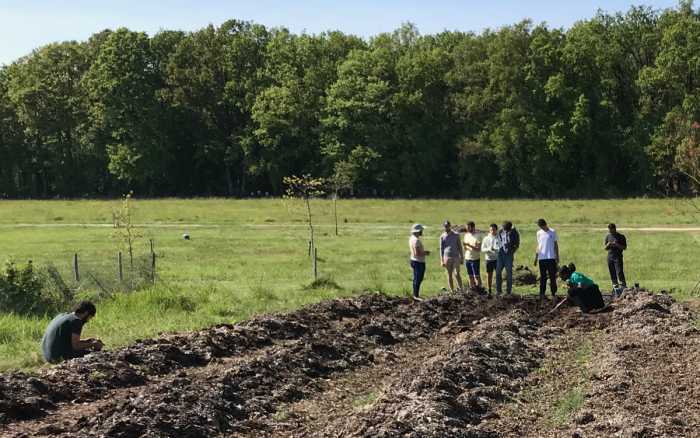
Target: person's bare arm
{"x":85,"y":344}
{"x":556,"y":250}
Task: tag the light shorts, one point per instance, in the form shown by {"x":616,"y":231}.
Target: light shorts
{"x":452,"y":264}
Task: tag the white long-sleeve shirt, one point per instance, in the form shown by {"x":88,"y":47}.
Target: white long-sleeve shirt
{"x":490,"y":246}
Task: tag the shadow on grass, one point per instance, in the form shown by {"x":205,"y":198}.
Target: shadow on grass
{"x":323,"y":283}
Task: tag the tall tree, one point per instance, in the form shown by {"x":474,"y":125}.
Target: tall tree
{"x":13,"y":159}
{"x":121,"y":84}
{"x":214,"y":75}
{"x":49,"y":102}
{"x":287,"y":113}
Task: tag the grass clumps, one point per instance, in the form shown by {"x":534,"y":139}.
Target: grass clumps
{"x":568,"y":405}
{"x":572,"y":400}
{"x":165,"y":302}
{"x":364,"y":400}
{"x":262,"y":294}
{"x":325,"y":282}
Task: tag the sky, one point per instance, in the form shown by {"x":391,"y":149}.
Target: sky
{"x":29,"y":24}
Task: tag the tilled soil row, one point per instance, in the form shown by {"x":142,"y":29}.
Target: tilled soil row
{"x":331,"y":336}
{"x":454,"y":391}
{"x":645,"y":378}
{"x":231,"y":380}
{"x":24,"y":396}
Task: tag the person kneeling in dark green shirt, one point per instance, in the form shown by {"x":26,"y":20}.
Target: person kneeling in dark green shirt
{"x":61,"y":339}
{"x":582,"y":290}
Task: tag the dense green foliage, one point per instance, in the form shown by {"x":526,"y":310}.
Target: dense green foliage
{"x":607,"y":107}
{"x":26,"y":291}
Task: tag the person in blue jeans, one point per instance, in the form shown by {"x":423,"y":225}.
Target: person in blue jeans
{"x":418,"y":254}
{"x":509,"y":242}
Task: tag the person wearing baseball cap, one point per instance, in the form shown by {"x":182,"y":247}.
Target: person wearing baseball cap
{"x":418,"y":254}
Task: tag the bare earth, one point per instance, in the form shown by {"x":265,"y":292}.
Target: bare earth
{"x":452,"y":366}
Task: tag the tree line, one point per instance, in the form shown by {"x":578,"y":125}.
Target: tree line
{"x":609,"y":107}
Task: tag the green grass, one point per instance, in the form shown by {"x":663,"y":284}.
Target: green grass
{"x":568,"y":405}
{"x":251,"y":256}
{"x":583,"y":353}
{"x":572,"y":400}
{"x":364,"y":400}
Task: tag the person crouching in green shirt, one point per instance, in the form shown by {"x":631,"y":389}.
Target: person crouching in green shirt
{"x":61,"y":339}
{"x":582,"y":290}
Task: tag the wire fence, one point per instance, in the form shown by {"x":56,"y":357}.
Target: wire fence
{"x":102,"y":276}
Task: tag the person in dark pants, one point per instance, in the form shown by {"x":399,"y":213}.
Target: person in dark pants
{"x":582,"y":290}
{"x":547,"y":257}
{"x":508,"y":244}
{"x":61,"y":339}
{"x":489,"y":246}
{"x":615,"y":244}
{"x":418,"y":254}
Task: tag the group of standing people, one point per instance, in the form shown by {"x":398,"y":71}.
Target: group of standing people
{"x":499,"y":247}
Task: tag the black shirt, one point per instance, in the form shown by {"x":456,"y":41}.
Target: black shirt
{"x":613,"y":251}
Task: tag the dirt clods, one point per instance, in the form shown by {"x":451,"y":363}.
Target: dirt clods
{"x":451,"y":366}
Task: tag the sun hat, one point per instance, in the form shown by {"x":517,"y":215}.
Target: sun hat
{"x":417,"y":228}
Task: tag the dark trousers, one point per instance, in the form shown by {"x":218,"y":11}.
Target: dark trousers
{"x":587,"y":298}
{"x":548,"y":268}
{"x":616,"y":266}
{"x":418,"y":274}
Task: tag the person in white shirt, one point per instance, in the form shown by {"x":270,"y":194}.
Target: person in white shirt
{"x":418,"y":254}
{"x":490,"y":247}
{"x":547,"y":256}
{"x":472,"y":255}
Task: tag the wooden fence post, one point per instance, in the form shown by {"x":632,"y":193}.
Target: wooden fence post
{"x":153,"y":263}
{"x":120,"y":266}
{"x":76,"y":270}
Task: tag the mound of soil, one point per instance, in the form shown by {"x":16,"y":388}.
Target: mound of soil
{"x":453,"y":365}
{"x":452,"y":392}
{"x":646,"y":381}
{"x":523,"y":276}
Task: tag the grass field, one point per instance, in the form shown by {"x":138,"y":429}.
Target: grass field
{"x":250,"y":256}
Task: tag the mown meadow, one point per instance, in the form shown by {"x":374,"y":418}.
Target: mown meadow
{"x":246,"y":257}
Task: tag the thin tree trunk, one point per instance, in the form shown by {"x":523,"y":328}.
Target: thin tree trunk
{"x":335,"y":210}
{"x":311,"y":227}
